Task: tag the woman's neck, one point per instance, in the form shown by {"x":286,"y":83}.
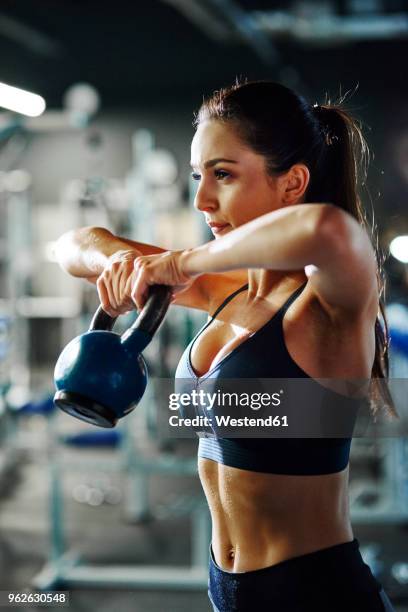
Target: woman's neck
{"x":263,"y":283}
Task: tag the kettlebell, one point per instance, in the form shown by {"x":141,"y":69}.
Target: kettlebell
{"x":101,"y":376}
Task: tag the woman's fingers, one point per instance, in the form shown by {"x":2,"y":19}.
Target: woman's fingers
{"x":116,"y":274}
{"x":158,"y":269}
{"x":104,"y":297}
{"x":123,"y":288}
{"x":126,"y":281}
{"x":139,"y":290}
{"x":107,"y":276}
{"x":112,"y":284}
{"x":114,"y":290}
{"x":140,"y":287}
{"x":126,"y":296}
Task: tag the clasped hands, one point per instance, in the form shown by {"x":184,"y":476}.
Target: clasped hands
{"x":125,"y":281}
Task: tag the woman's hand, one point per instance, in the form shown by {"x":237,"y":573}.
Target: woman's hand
{"x":115,"y":283}
{"x":161,"y":269}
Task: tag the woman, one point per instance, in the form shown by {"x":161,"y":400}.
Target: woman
{"x":291,"y":284}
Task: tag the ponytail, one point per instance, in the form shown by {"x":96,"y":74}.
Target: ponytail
{"x":340,"y":172}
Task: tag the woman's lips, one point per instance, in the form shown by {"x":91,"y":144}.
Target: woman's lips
{"x":217,"y":229}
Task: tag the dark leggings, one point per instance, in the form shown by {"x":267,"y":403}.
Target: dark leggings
{"x":334,"y":579}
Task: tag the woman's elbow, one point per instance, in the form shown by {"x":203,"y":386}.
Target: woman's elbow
{"x":63,"y":251}
{"x":341,"y":234}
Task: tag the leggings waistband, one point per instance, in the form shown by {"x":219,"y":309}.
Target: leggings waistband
{"x":334,"y":578}
{"x":345,"y":551}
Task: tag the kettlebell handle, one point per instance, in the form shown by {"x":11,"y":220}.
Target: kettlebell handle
{"x":150,"y":317}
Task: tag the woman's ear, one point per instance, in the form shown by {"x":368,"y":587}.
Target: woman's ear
{"x":295,"y":183}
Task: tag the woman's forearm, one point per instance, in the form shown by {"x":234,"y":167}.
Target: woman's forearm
{"x":285,"y":239}
{"x":84,"y":252}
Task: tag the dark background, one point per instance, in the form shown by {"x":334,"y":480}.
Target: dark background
{"x":154,"y":57}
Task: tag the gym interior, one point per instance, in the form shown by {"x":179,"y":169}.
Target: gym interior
{"x":97,"y":102}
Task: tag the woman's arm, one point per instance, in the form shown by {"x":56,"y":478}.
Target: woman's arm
{"x":327,"y":242}
{"x":87,"y":251}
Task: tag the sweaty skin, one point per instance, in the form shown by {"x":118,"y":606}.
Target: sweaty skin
{"x":261,"y":519}
{"x":266,"y":237}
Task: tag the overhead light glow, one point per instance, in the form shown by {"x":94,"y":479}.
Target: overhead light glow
{"x":21,"y":101}
{"x":399,"y":248}
{"x":82,"y":98}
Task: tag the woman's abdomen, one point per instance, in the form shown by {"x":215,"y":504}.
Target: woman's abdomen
{"x":261,"y":519}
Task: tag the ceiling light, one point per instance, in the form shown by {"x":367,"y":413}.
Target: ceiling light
{"x":399,"y":248}
{"x":21,"y":101}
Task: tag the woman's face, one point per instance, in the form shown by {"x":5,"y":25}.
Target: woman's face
{"x":233,"y":186}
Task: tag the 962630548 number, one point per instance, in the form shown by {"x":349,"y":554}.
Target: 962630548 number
{"x":44,"y":598}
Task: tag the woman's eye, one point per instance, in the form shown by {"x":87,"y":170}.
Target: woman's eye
{"x":221,"y":174}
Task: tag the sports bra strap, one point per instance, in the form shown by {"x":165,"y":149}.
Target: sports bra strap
{"x":281,"y":310}
{"x":291,"y":299}
{"x":228,"y":299}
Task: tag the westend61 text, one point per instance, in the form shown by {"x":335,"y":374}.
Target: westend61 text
{"x":227,"y":421}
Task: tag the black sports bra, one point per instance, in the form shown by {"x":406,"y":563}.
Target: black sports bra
{"x":264,"y":355}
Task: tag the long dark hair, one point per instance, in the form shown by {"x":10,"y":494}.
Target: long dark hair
{"x":285,"y":129}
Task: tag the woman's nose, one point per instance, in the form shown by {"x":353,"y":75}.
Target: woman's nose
{"x":204,"y":200}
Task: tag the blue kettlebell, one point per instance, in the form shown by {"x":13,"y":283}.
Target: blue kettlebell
{"x":101,"y":376}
